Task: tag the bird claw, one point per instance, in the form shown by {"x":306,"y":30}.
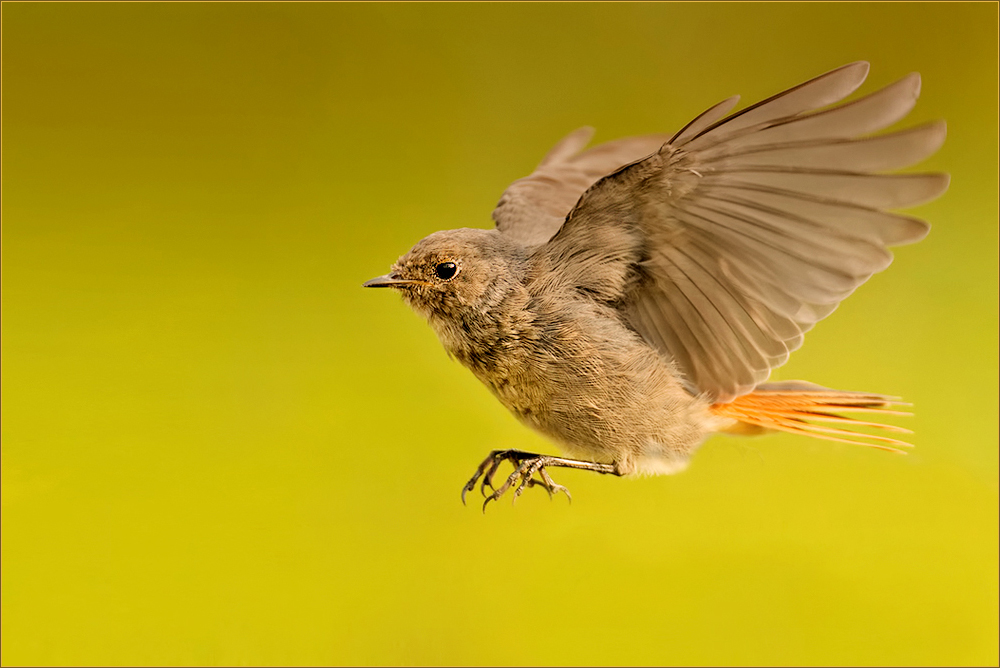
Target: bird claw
{"x":492,"y":461}
{"x":550,"y":485}
{"x":526,"y":466}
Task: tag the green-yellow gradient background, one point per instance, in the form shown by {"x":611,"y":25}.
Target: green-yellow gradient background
{"x":219,"y":449}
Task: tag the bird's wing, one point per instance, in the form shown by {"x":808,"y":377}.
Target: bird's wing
{"x":533,"y":209}
{"x":726,"y":245}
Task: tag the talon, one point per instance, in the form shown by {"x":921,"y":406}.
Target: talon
{"x":491,"y":497}
{"x":468,"y":488}
{"x":552,"y":486}
{"x":496,"y":458}
{"x":471,"y":485}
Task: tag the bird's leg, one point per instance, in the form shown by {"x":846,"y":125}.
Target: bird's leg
{"x":527,"y":465}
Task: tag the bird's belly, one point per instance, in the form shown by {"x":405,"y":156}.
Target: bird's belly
{"x":643,"y":422}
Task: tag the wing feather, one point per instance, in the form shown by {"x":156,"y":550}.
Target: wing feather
{"x":865,"y":115}
{"x":703,"y":120}
{"x":878,"y":191}
{"x":813,"y":94}
{"x":885,"y":152}
{"x":725,"y":245}
{"x":533,"y":208}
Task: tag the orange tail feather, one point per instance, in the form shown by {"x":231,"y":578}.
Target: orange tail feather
{"x":796,"y":411}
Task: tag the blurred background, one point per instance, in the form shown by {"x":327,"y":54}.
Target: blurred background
{"x":219,"y":449}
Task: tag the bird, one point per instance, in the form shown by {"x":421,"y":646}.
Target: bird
{"x":634,"y":297}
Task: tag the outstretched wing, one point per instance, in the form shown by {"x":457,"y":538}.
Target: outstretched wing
{"x":737,"y":236}
{"x":533,"y":209}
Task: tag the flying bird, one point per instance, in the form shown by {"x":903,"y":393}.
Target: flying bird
{"x":635,"y":296}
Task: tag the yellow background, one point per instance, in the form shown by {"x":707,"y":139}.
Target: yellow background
{"x":218,"y":448}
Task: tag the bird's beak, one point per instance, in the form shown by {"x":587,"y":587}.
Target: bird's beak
{"x":388,"y":281}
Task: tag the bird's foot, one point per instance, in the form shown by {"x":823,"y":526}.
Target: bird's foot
{"x":526,"y":466}
{"x":522,"y":462}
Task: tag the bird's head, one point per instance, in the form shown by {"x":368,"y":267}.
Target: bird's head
{"x":455,"y":274}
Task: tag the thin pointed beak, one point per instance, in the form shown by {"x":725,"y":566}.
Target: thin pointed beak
{"x":388,"y":281}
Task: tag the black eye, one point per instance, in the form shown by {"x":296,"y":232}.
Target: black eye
{"x":446,"y":270}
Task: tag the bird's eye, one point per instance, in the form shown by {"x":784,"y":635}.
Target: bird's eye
{"x":446,"y":270}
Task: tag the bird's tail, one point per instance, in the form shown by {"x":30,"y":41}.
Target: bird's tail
{"x":795,"y":406}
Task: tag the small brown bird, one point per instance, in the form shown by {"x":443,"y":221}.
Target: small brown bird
{"x":635,"y":296}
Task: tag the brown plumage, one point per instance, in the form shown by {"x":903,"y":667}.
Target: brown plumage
{"x":634,"y":296}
